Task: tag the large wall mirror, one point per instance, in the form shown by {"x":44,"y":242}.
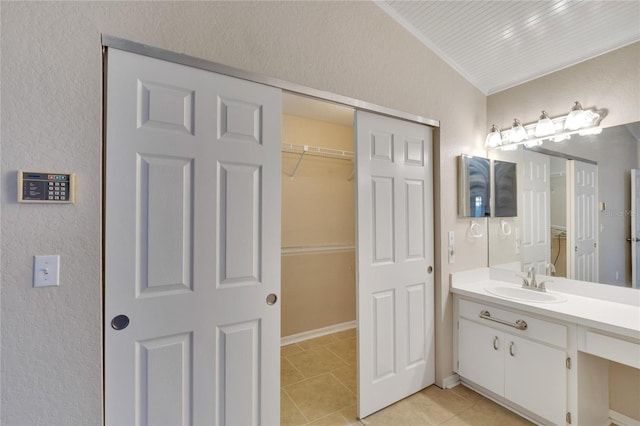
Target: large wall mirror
{"x":578,"y":209}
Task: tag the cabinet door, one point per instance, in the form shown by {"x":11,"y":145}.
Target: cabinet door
{"x":536,"y":378}
{"x":480,"y":355}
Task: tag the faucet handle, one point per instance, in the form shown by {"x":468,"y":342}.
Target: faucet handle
{"x":541,"y":285}
{"x":525,"y":281}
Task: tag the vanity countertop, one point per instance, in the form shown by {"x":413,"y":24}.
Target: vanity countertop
{"x":599,"y":312}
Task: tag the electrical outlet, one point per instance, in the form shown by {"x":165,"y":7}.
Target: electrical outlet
{"x":46,"y":271}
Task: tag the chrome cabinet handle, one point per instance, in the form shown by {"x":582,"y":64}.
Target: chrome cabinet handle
{"x":495,"y":343}
{"x":519,"y":324}
{"x":511,"y":345}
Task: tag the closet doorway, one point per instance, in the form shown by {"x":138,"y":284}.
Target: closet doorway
{"x":318,"y":364}
{"x":318,"y":287}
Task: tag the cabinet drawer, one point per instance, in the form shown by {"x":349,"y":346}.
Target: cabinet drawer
{"x":543,"y":331}
{"x":612,"y":348}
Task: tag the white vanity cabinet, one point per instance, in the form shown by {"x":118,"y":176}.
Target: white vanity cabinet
{"x":525,"y":365}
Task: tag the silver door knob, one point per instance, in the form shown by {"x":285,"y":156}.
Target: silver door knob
{"x":272,"y":299}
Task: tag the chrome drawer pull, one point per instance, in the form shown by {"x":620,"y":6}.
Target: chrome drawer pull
{"x":519,"y":324}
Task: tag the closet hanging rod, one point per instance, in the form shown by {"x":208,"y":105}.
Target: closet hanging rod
{"x":318,"y":151}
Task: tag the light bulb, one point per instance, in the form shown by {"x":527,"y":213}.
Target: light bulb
{"x":518,"y":132}
{"x":494,"y":138}
{"x":576,"y":118}
{"x":545,"y":126}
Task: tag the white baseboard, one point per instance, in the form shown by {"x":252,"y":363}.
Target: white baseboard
{"x":622,"y":420}
{"x":311,"y":334}
{"x":451,"y":381}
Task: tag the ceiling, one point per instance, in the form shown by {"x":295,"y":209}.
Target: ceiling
{"x":500,"y":44}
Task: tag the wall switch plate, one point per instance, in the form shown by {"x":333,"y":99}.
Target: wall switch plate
{"x":46,"y":270}
{"x":451,"y":249}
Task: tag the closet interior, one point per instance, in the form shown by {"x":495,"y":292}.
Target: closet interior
{"x":318,"y":218}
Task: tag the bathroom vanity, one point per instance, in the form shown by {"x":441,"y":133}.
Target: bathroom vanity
{"x":545,"y":355}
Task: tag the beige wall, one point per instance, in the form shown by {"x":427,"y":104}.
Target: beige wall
{"x":610,"y":81}
{"x":318,"y":211}
{"x":51,"y":74}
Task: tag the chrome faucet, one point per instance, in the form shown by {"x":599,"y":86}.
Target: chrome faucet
{"x":531,"y":275}
{"x":530,"y":281}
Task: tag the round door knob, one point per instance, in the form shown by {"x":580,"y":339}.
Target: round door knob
{"x":120,"y":322}
{"x":272,"y":299}
{"x":430,"y":269}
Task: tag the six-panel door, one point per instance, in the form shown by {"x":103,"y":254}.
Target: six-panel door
{"x":192,"y":242}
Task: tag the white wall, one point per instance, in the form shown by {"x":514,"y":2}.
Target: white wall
{"x":52,"y":119}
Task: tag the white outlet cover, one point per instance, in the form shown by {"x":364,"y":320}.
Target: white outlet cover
{"x":46,"y":270}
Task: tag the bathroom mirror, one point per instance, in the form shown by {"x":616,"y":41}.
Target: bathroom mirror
{"x":474,"y":186}
{"x":505,"y":189}
{"x":547,"y":192}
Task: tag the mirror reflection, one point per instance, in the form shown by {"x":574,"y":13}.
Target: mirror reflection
{"x":474,"y":186}
{"x":576,"y":209}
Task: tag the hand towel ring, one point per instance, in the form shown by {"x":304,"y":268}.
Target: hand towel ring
{"x":475,"y":230}
{"x":505,"y":227}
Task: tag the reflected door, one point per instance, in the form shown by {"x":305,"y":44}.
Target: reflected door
{"x":534,"y":201}
{"x":635,"y":228}
{"x":583,"y":219}
{"x":395,"y":258}
{"x":192,"y":243}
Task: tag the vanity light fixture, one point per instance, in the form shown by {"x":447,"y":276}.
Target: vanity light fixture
{"x":494,"y":138}
{"x":579,"y":121}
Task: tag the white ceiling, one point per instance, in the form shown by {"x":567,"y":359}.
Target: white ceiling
{"x":499,"y":44}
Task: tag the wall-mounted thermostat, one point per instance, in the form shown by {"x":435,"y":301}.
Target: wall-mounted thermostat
{"x":46,"y":187}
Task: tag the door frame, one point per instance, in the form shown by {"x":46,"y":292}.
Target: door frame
{"x":191,"y":61}
{"x":182,"y":59}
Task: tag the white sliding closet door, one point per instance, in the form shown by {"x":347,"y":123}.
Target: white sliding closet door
{"x":395,"y":294}
{"x":192,"y":244}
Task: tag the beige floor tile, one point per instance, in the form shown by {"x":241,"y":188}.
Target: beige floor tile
{"x":318,"y":341}
{"x":348,"y":377}
{"x":334,"y":419}
{"x":351,"y":414}
{"x":346,"y":334}
{"x":290,"y":349}
{"x":345,"y":349}
{"x":447,"y":399}
{"x":289,"y":413}
{"x":401,"y":413}
{"x":288,"y":373}
{"x":467,"y":393}
{"x":316,"y":361}
{"x":320,"y":396}
{"x":488,"y":413}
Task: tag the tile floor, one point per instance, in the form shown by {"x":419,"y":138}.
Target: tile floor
{"x":318,"y":378}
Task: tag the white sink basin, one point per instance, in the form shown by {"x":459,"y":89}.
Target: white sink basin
{"x":525,"y":295}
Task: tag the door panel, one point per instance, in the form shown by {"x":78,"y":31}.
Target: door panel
{"x":192,"y":241}
{"x":481,"y":355}
{"x":395,"y":249}
{"x":583,"y":235}
{"x":535,"y":194}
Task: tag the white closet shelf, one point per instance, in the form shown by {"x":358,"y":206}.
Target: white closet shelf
{"x":303,"y":150}
{"x":318,"y":151}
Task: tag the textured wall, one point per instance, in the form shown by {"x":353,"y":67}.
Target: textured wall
{"x":51,"y":119}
